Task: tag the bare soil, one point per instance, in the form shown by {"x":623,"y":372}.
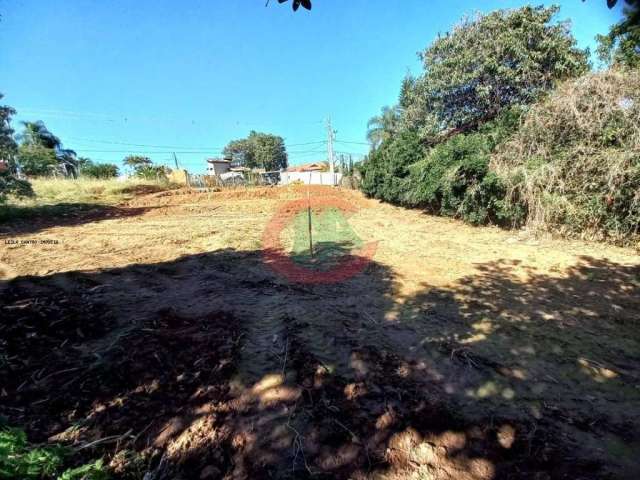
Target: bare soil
{"x":160,"y":339}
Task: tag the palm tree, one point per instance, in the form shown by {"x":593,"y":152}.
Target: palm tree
{"x":37,"y":134}
{"x":68,"y":161}
{"x":382,"y":127}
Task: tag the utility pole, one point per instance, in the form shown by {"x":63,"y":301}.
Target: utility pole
{"x":309,"y":219}
{"x":175,"y":159}
{"x":331,"y":136}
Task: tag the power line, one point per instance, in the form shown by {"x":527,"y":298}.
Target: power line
{"x":353,"y":143}
{"x":182,"y":152}
{"x":110,"y":142}
{"x":127,"y":117}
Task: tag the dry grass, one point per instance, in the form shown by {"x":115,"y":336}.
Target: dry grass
{"x":87,"y":190}
{"x":58,"y":198}
{"x":575,"y":161}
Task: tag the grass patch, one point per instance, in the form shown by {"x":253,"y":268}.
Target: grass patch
{"x":332,"y":238}
{"x":87,"y":190}
{"x":71,"y":197}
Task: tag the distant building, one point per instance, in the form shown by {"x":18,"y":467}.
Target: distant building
{"x":310,"y":167}
{"x":217,"y":166}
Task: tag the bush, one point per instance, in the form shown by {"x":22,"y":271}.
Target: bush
{"x":153,"y":172}
{"x":17,"y":460}
{"x":575,"y":162}
{"x":451,"y":179}
{"x":385,"y":172}
{"x":36,"y":160}
{"x":10,"y":185}
{"x":454,"y":178}
{"x":20,"y":460}
{"x":100,"y":170}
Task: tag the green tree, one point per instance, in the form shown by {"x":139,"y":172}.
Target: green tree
{"x":621,"y":46}
{"x":98,"y":170}
{"x":37,"y":160}
{"x":8,"y":146}
{"x":384,"y":126}
{"x":259,"y":150}
{"x":10,"y":184}
{"x":36,"y":133}
{"x":385,"y":172}
{"x":493,"y":61}
{"x":136,"y":161}
{"x":240,"y":151}
{"x":36,"y":138}
{"x":143,"y":167}
{"x":153,"y":172}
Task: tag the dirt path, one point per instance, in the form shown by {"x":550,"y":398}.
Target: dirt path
{"x":458,"y":352}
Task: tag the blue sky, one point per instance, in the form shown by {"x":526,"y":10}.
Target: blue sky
{"x":157,"y":76}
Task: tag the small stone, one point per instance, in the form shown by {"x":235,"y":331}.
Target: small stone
{"x":506,"y":436}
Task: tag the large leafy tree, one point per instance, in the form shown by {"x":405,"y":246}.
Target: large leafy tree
{"x":258,"y":150}
{"x":621,"y":46}
{"x":41,"y":152}
{"x":10,"y":184}
{"x":8,"y":145}
{"x":136,"y":161}
{"x":37,"y":160}
{"x":491,"y":62}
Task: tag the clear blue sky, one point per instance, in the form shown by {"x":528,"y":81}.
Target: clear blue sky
{"x":190,"y":76}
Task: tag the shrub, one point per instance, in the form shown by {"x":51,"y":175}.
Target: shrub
{"x":10,"y":185}
{"x":454,"y":178}
{"x":17,"y":460}
{"x":20,"y":460}
{"x":37,"y":160}
{"x":99,"y":170}
{"x":575,"y":162}
{"x":385,"y":172}
{"x":153,"y":172}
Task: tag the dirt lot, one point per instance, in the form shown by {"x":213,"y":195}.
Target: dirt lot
{"x":162,"y":335}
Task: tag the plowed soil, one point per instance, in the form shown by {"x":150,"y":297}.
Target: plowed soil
{"x":159,"y":337}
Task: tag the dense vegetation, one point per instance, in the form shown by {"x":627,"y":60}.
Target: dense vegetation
{"x":506,"y":125}
{"x":90,"y":169}
{"x":142,"y":167}
{"x":621,"y":46}
{"x":19,"y":459}
{"x":258,"y":150}
{"x":574,"y":163}
{"x":36,"y":152}
{"x":10,"y":184}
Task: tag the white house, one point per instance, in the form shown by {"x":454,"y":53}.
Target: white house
{"x":217,"y":166}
